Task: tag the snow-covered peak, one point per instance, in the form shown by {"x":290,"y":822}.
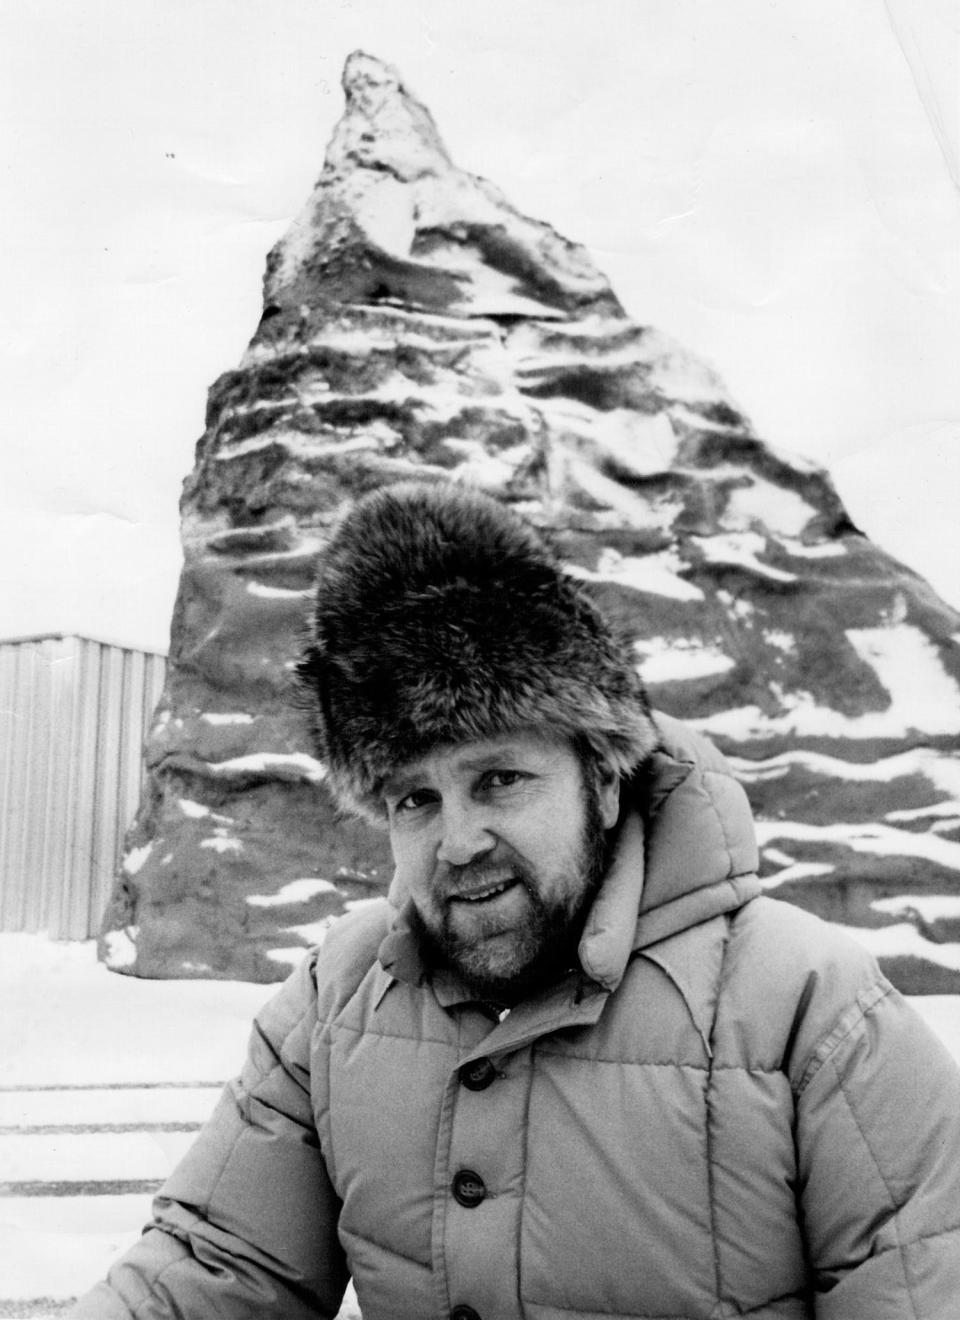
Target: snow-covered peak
{"x":416,"y":325}
{"x":383,"y":127}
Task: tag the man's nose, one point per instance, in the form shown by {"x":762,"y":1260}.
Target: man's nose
{"x":464,"y":834}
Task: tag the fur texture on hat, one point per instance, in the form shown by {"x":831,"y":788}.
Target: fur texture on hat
{"x":442,"y":617}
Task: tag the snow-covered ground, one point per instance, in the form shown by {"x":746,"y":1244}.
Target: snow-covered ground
{"x":105,"y":1080}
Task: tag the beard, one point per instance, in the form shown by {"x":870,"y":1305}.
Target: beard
{"x":504,"y":961}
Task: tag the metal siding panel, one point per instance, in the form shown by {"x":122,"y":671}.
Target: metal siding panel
{"x":16,"y":797}
{"x":109,"y":708}
{"x":71,"y":806}
{"x":83,"y":789}
{"x":73,"y":717}
{"x":32,"y":776}
{"x":155,"y":680}
{"x":132,"y":743}
{"x":48,"y":654}
{"x":47,"y":898}
{"x":60,"y":678}
{"x":122,"y":752}
{"x":47,"y":657}
{"x":9,"y":856}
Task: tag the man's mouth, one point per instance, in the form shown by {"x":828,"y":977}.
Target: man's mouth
{"x":486,"y":893}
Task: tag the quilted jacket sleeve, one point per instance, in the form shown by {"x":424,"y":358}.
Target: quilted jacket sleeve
{"x":246,"y":1226}
{"x":878,"y":1139}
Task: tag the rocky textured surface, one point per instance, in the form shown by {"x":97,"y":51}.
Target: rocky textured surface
{"x":416,"y":324}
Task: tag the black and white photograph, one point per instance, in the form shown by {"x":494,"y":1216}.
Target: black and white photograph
{"x":480,"y":660}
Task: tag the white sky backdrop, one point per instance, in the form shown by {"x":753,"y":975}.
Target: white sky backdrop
{"x":773,"y":182}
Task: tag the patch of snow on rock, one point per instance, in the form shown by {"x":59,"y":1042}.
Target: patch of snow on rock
{"x":930,"y":907}
{"x":739,"y":606}
{"x":278,"y":593}
{"x":217,"y":717}
{"x":383,"y":208}
{"x":782,"y":641}
{"x":904,"y":941}
{"x":285,"y":765}
{"x":940,"y":768}
{"x":923,"y":695}
{"x":221,"y":844}
{"x":665,"y":660}
{"x":803,"y":717}
{"x":491,"y":472}
{"x":657,"y":574}
{"x":295,"y":891}
{"x":795,"y":871}
{"x":620,"y":506}
{"x":881,"y":840}
{"x":820,"y":550}
{"x":740,"y":548}
{"x":698,"y":422}
{"x":136,"y":857}
{"x":488,"y":291}
{"x":637,"y":443}
{"x":196,"y":810}
{"x":120,"y":947}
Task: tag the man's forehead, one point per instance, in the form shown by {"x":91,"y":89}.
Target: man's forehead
{"x":482,"y":754}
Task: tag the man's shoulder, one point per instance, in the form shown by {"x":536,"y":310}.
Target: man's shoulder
{"x":796,"y":929}
{"x":805,"y":978}
{"x":355,"y":937}
{"x":351,"y":945}
{"x":793,"y":946}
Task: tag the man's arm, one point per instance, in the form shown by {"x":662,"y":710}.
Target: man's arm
{"x":246,"y":1226}
{"x":878,"y":1138}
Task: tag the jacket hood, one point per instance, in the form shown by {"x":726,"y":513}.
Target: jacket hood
{"x":685,"y":852}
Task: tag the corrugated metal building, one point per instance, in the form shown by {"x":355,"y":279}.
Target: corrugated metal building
{"x":73,"y":715}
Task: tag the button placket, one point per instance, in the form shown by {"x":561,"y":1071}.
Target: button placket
{"x":484,"y":1162}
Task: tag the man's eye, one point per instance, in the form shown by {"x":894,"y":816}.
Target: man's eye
{"x":503,"y":778}
{"x":418,"y":798}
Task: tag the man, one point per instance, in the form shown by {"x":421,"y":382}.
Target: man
{"x":576,"y":1066}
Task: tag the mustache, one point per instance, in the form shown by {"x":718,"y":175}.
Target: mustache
{"x":451,"y":880}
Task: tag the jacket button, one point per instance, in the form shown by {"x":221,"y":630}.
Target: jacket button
{"x":478,"y":1075}
{"x":463,"y":1313}
{"x":468,"y":1188}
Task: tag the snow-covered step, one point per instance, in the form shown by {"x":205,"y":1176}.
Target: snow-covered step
{"x":88,"y":1159}
{"x":142,"y":1106}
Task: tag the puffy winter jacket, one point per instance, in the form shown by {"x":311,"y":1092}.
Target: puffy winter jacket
{"x":727,"y":1112}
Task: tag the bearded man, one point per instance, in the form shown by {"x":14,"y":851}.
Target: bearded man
{"x":575,"y":1065}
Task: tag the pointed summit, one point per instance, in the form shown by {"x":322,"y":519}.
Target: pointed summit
{"x":393,"y":222}
{"x":384,"y":127}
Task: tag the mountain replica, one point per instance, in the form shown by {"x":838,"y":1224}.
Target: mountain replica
{"x":415,"y":324}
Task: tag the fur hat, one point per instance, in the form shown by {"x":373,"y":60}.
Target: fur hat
{"x":442,"y":617}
